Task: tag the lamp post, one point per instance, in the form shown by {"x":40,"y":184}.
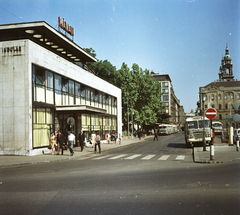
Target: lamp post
{"x":127,"y":111}
{"x":203,"y":100}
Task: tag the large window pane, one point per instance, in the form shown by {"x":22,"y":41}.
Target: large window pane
{"x":41,"y":115}
{"x":87,"y":96}
{"x":58,"y":82}
{"x":83,"y":95}
{"x":71,"y":92}
{"x":49,"y":116}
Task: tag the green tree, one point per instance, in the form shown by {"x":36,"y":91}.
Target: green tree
{"x":140,"y":92}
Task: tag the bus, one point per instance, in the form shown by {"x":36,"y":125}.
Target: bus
{"x":194,"y":130}
{"x":165,"y":129}
{"x":218,"y":127}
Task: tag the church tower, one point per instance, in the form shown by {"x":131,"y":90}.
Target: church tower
{"x":225,"y":70}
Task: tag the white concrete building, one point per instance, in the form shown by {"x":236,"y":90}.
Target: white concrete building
{"x":44,"y":87}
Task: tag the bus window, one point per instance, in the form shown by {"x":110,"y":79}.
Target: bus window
{"x":201,"y":123}
{"x":192,"y":125}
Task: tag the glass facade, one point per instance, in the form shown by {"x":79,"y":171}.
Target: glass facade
{"x":50,"y":90}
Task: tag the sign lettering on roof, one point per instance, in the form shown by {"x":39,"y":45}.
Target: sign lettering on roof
{"x":65,"y":26}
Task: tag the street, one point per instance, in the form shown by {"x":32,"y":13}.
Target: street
{"x":148,"y":177}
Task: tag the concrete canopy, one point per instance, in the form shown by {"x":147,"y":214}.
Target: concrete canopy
{"x":48,"y":37}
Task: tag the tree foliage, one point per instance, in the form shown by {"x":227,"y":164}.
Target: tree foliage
{"x":140,"y":92}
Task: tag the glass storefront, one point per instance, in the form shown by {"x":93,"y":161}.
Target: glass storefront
{"x":50,"y":90}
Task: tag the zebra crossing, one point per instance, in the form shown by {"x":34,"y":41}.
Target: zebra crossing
{"x":141,"y":157}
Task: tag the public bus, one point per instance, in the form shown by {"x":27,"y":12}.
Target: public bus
{"x":218,"y":127}
{"x":165,"y":129}
{"x":194,"y":130}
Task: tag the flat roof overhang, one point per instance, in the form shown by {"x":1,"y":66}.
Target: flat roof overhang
{"x":48,"y":37}
{"x":81,"y":108}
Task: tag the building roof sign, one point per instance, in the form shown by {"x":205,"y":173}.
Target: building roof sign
{"x":48,"y":37}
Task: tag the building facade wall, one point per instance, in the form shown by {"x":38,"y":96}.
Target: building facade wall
{"x":15,"y":98}
{"x":221,"y":98}
{"x":16,"y":112}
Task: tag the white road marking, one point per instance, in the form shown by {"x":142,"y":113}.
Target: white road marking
{"x":164,"y":157}
{"x":180,"y":157}
{"x":119,"y":156}
{"x":148,"y":157}
{"x":99,"y":158}
{"x":133,"y":156}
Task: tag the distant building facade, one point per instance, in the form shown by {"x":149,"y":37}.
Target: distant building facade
{"x":168,"y":97}
{"x":221,"y":94}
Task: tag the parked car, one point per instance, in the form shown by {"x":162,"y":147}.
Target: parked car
{"x":236,"y":134}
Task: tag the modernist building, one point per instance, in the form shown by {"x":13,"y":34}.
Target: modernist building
{"x":45,"y":87}
{"x":171,"y":102}
{"x":221,"y":94}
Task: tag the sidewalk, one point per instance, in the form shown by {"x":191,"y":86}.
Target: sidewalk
{"x":223,"y":153}
{"x":47,"y":157}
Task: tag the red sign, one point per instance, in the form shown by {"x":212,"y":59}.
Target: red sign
{"x":65,"y":26}
{"x":211,"y":113}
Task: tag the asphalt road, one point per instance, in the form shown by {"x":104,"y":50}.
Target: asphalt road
{"x":149,"y":177}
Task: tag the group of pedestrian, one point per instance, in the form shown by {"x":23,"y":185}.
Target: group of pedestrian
{"x":62,"y":141}
{"x":67,"y":140}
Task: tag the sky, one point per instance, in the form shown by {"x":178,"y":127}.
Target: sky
{"x":183,"y":38}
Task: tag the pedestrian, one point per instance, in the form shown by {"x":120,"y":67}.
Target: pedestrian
{"x":155,"y":135}
{"x":65,"y":134}
{"x":93,"y":139}
{"x":107,"y":136}
{"x":116,"y":136}
{"x":60,"y":142}
{"x":135,"y":134}
{"x":139,"y":134}
{"x":52,"y":142}
{"x":81,"y":140}
{"x":119,"y":139}
{"x":71,"y":142}
{"x":98,"y":138}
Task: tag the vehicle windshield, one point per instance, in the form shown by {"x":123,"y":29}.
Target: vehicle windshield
{"x":217,"y":125}
{"x":198,"y":124}
{"x":192,"y":125}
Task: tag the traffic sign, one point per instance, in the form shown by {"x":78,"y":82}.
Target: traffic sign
{"x":211,"y":113}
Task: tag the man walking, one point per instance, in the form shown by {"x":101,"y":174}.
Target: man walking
{"x":98,"y":138}
{"x":71,"y":142}
{"x":81,"y":140}
{"x":155,"y":135}
{"x":60,"y":142}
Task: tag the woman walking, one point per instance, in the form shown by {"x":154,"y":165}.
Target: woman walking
{"x":52,"y":142}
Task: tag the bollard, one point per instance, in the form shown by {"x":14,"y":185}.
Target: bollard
{"x":212,"y":152}
{"x":237,"y":146}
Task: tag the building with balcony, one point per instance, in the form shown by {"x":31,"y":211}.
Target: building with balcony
{"x":45,"y":87}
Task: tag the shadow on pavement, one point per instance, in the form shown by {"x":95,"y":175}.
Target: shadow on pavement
{"x":177,"y":145}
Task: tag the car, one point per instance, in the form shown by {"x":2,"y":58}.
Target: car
{"x":236,"y":135}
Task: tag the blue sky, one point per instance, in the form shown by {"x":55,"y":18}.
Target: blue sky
{"x":183,"y":38}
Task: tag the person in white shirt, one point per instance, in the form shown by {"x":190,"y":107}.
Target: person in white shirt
{"x":71,"y":142}
{"x":93,"y":139}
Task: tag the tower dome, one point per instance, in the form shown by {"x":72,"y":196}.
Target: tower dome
{"x":227,"y":56}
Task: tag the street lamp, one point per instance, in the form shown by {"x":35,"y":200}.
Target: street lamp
{"x":127,"y":110}
{"x":203,"y":97}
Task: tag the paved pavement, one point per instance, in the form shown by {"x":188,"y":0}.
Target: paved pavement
{"x":223,"y":153}
{"x":47,"y":157}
